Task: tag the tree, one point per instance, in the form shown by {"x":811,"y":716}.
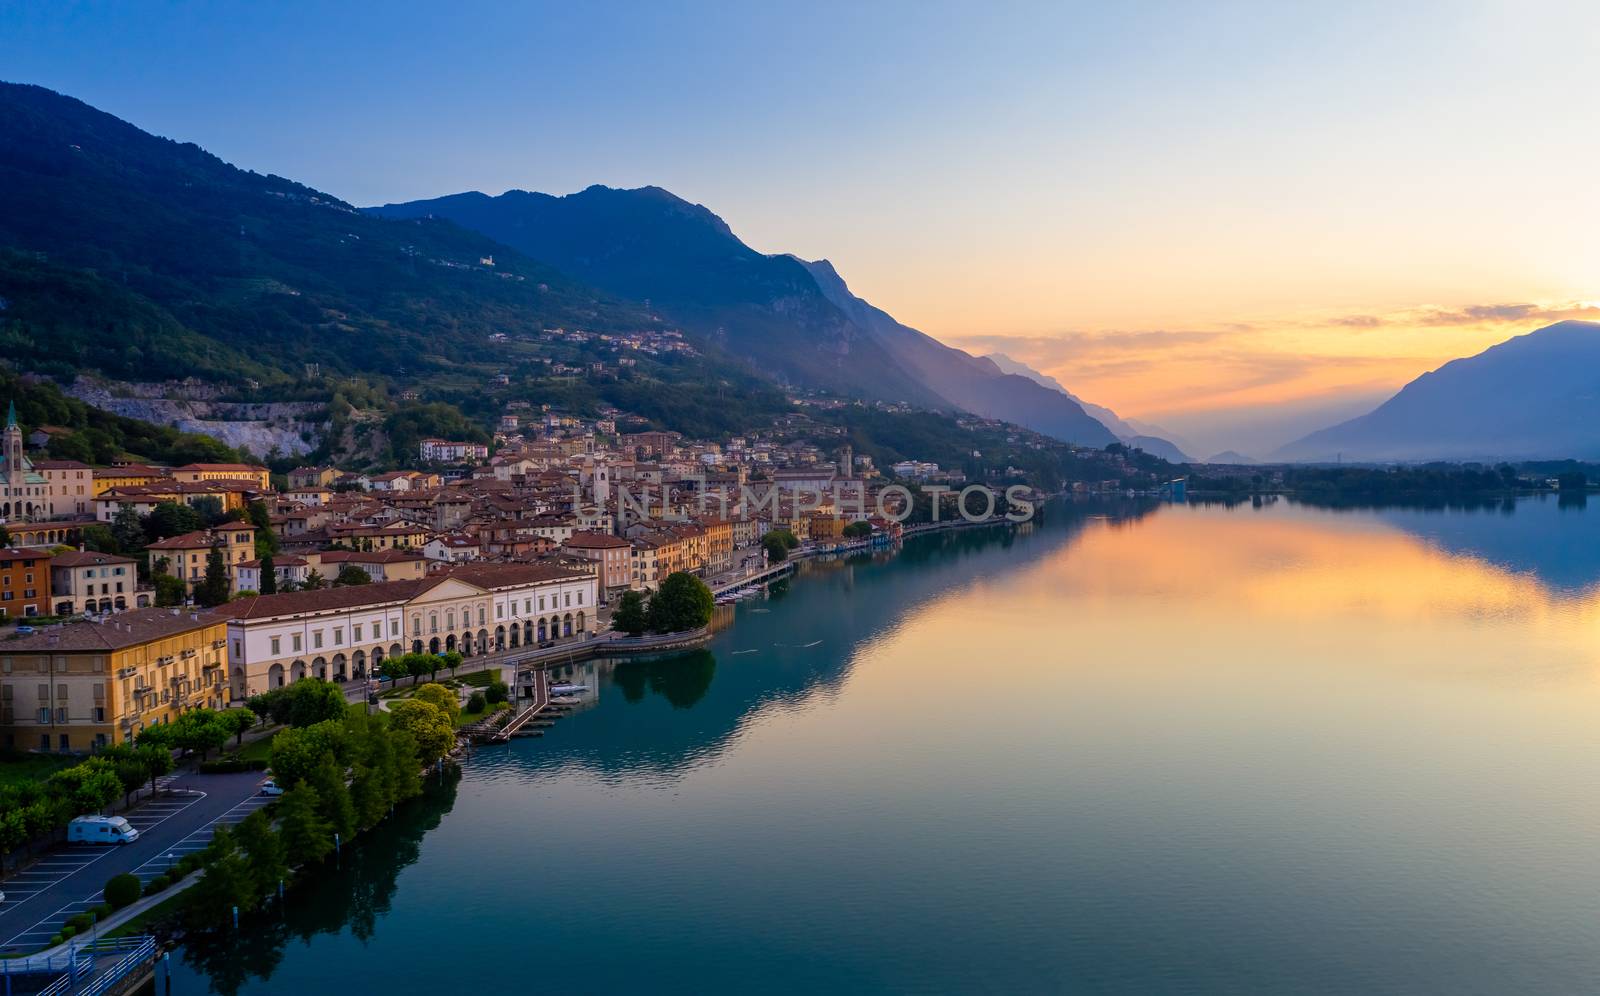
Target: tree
{"x":497,"y":692}
{"x":313,"y":701}
{"x":440,"y":696}
{"x":263,"y":850}
{"x":421,"y":664}
{"x":298,"y":752}
{"x":337,"y":809}
{"x":123,"y":890}
{"x":227,"y":883}
{"x":216,"y":586}
{"x":157,"y":761}
{"x":350,"y":575}
{"x":683,"y":602}
{"x":170,"y":518}
{"x":128,"y":531}
{"x":307,"y":838}
{"x":313,"y":581}
{"x":395,"y":668}
{"x":778,"y":543}
{"x":451,"y":659}
{"x":266,"y":537}
{"x":199,"y":730}
{"x":432,"y":730}
{"x":269,"y":575}
{"x":87,"y":787}
{"x":630,"y":615}
{"x":169,"y":590}
{"x":856,"y":530}
{"x":5,"y":537}
{"x":239,"y":721}
{"x":208,"y":508}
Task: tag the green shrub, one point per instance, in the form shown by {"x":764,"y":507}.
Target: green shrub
{"x":498,"y":692}
{"x":103,"y":910}
{"x":79,"y":922}
{"x":476,"y":702}
{"x":190,"y":862}
{"x":122,"y":890}
{"x":230,"y":764}
{"x":55,"y":939}
{"x":66,"y":934}
{"x":156,"y":884}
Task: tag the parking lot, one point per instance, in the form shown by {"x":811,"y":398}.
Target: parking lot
{"x":71,"y":878}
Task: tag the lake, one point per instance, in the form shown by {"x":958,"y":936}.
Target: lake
{"x":1131,"y":748}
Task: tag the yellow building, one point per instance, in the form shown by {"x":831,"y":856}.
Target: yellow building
{"x":186,"y":555}
{"x":193,"y":473}
{"x":130,"y":475}
{"x":83,"y":685}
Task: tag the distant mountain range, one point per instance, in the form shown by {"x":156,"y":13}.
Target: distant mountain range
{"x":1536,"y":396}
{"x":1150,"y":438}
{"x":795,"y":319}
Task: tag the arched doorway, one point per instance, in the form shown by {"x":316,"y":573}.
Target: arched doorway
{"x":416,"y":646}
{"x":339,"y":668}
{"x":580,"y":621}
{"x":433,"y":645}
{"x":516,"y":635}
{"x":450,"y":642}
{"x":319,"y":667}
{"x":527,"y":631}
{"x":567,"y":625}
{"x":396,"y":650}
{"x":499,"y":638}
{"x":542,"y":631}
{"x":358,"y":664}
{"x":483,"y":641}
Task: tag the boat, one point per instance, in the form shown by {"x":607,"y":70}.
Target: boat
{"x":568,"y":689}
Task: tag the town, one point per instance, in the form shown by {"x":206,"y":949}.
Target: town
{"x":207,"y":583}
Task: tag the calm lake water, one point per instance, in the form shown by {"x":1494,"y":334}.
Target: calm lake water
{"x":1135,"y":748}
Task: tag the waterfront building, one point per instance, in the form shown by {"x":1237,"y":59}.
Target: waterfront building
{"x":82,"y":685}
{"x":186,"y":555}
{"x":343,"y":634}
{"x":610,"y":554}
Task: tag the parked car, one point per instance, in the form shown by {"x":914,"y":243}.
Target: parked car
{"x":101,"y":830}
{"x":24,"y":630}
{"x":271,"y":787}
{"x":547,"y":644}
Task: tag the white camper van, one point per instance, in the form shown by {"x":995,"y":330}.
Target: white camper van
{"x":101,"y":830}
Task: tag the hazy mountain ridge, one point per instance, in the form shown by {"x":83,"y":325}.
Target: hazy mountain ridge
{"x":1534,"y":396}
{"x":1150,"y":438}
{"x":788,"y":316}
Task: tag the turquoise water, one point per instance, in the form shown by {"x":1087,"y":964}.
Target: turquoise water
{"x":1131,"y":749}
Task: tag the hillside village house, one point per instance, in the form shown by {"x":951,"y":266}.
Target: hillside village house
{"x":448,"y":451}
{"x":84,"y":685}
{"x":343,"y":634}
{"x":186,"y":555}
{"x":127,"y":475}
{"x":145,"y":497}
{"x":24,"y":583}
{"x":86,"y":581}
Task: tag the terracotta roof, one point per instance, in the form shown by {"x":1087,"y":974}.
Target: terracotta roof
{"x":595,"y":541}
{"x":187,"y":541}
{"x":370,"y":556}
{"x":86,"y":558}
{"x":322,"y":599}
{"x":125,"y":629}
{"x":24,"y":555}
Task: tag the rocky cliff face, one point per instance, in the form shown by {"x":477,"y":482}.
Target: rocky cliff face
{"x":287,"y":428}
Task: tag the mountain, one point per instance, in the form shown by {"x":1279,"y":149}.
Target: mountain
{"x":794,"y":318}
{"x":1150,"y":438}
{"x":1231,"y":458}
{"x":970,"y":382}
{"x":145,"y":258}
{"x":1534,"y":396}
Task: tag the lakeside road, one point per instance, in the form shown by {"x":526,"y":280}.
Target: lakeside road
{"x":70,"y":878}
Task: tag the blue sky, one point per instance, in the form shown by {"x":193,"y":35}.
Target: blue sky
{"x":1068,"y":183}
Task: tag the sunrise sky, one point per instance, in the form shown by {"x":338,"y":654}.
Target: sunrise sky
{"x":1236,"y":220}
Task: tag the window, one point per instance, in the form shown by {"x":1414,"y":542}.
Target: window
{"x":296,"y":643}
{"x":499,"y":611}
{"x":316,"y":639}
{"x":338,"y":636}
{"x":355,"y":633}
{"x":394,"y":627}
{"x":277,"y":645}
{"x":99,"y":714}
{"x":44,"y":717}
{"x":238,"y":649}
{"x":480,"y":615}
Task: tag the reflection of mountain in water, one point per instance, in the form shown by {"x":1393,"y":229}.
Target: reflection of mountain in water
{"x":353,"y":891}
{"x":674,"y":712}
{"x":1556,"y":541}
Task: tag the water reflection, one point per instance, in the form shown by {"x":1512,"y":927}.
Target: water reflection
{"x":354,"y":891}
